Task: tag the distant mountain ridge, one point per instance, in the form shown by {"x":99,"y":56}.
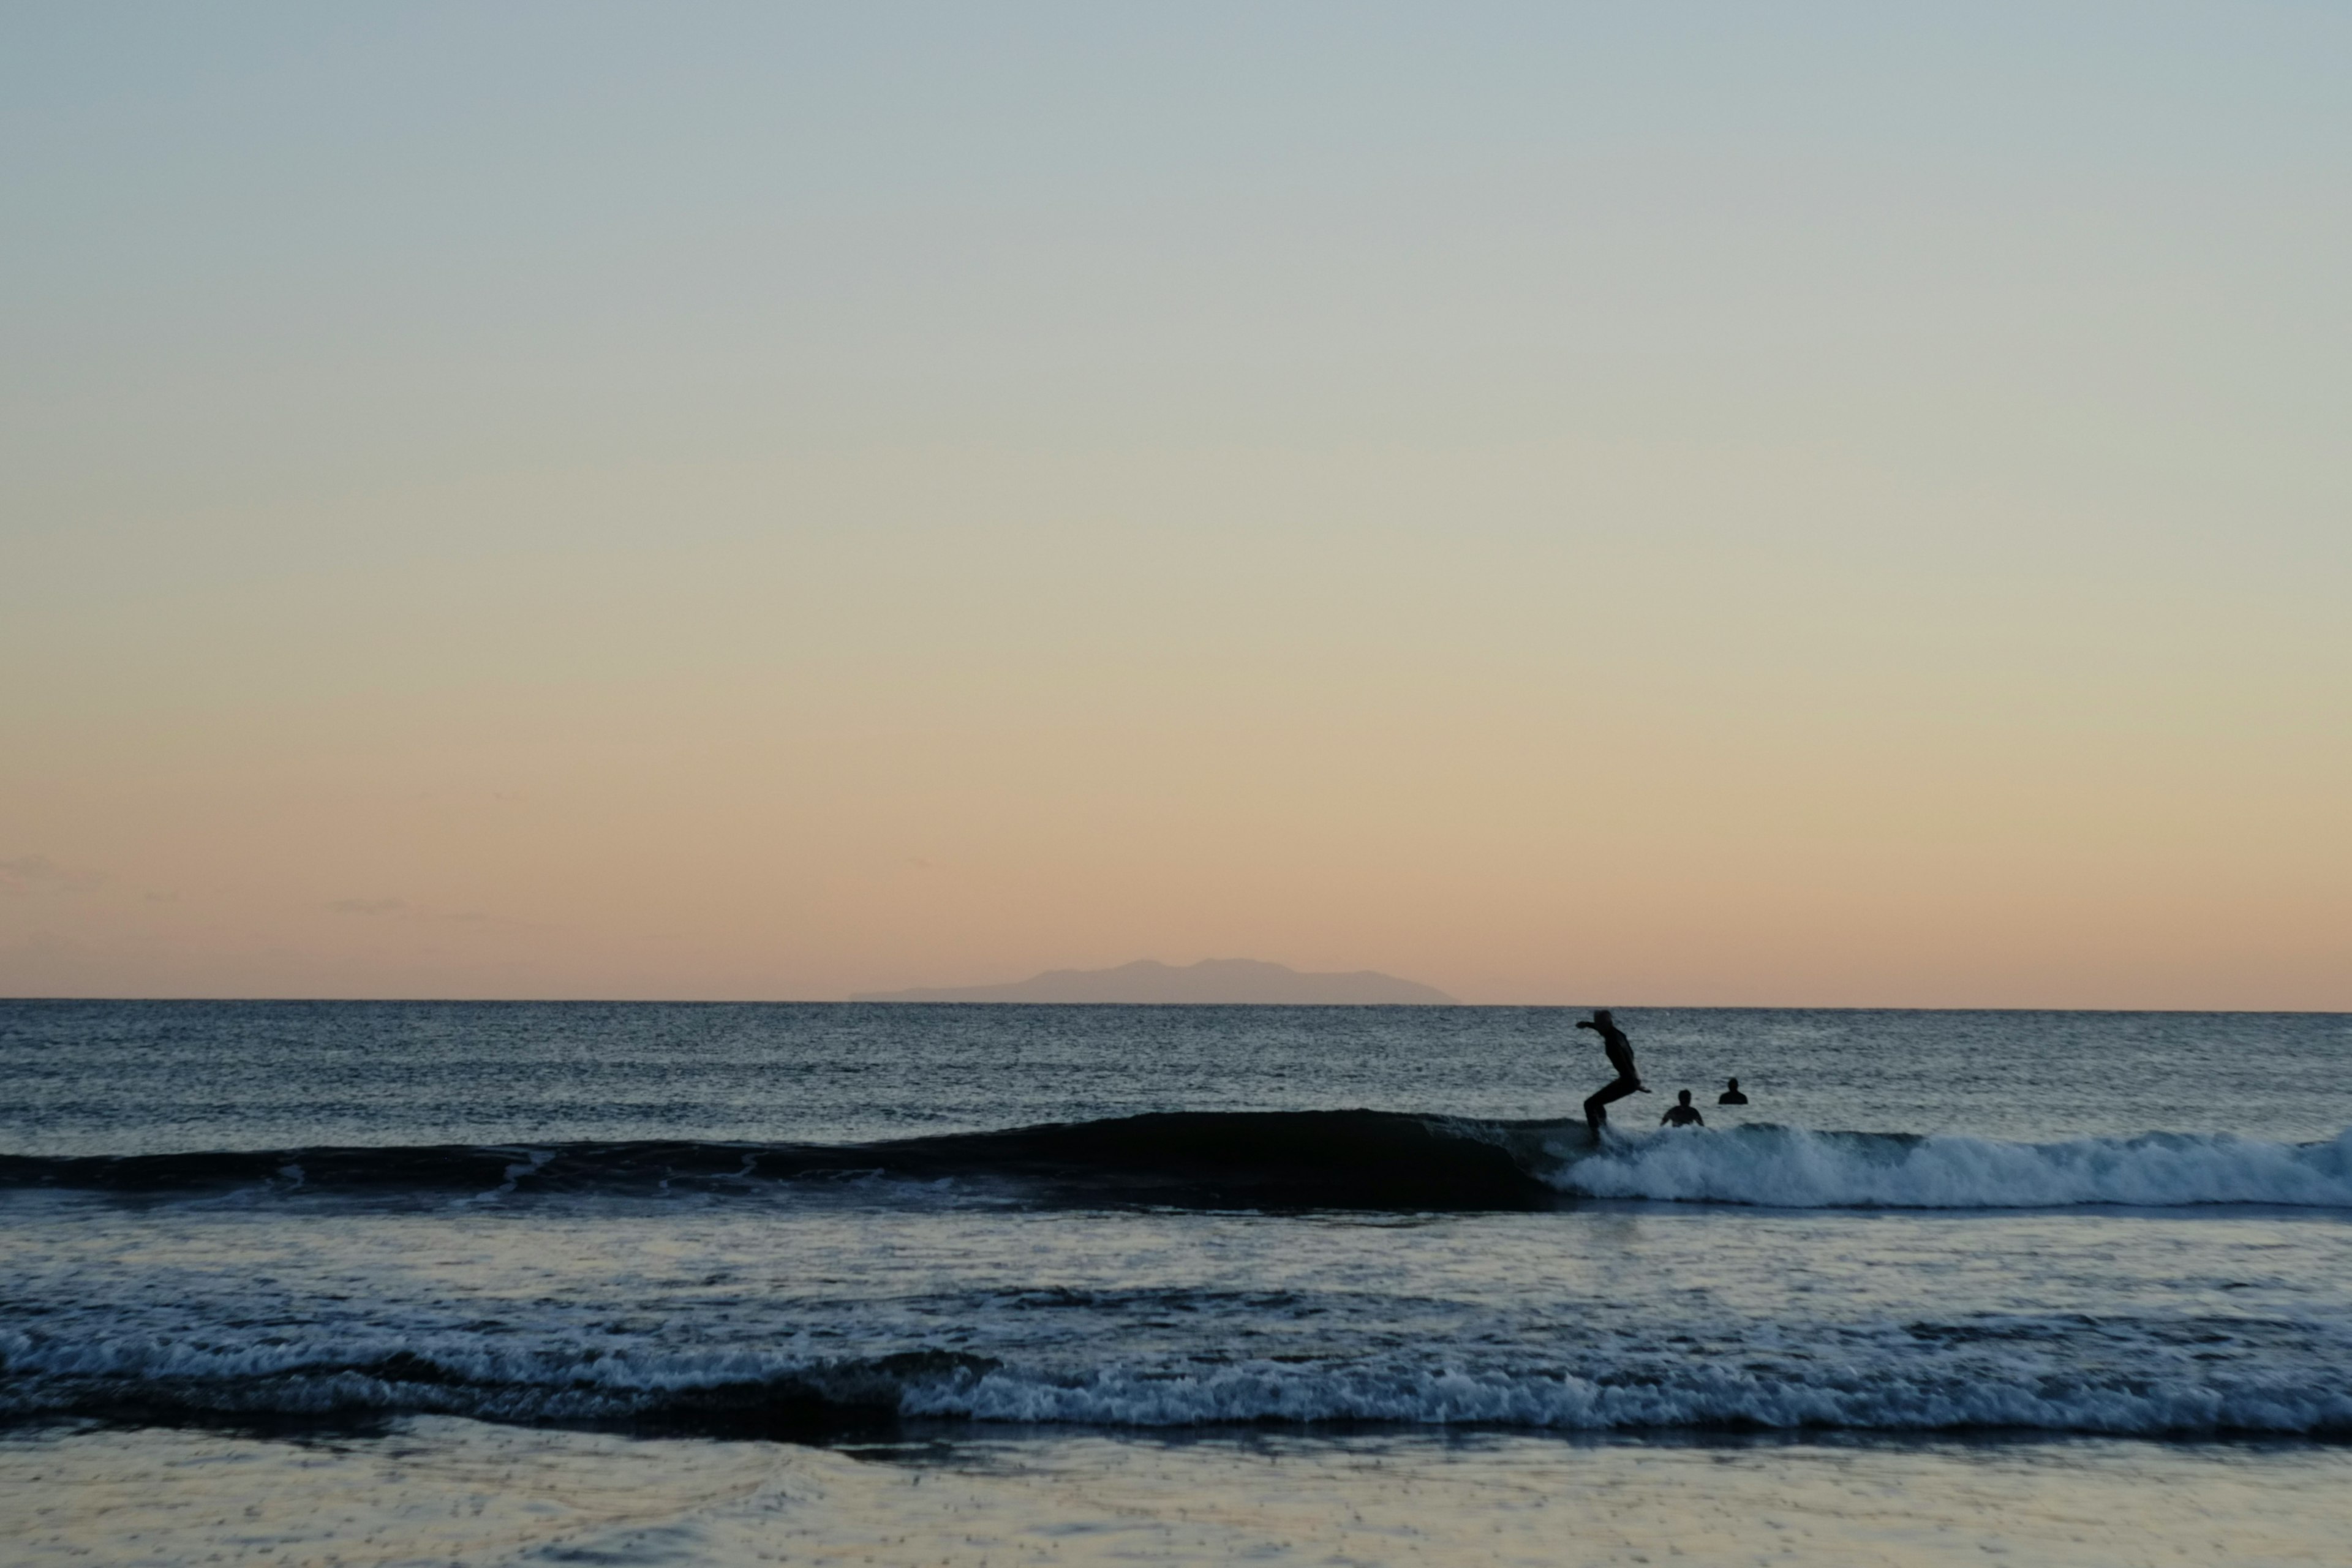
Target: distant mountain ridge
{"x":1211,"y":982}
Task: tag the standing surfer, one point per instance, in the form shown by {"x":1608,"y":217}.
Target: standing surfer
{"x":1620,"y":1057}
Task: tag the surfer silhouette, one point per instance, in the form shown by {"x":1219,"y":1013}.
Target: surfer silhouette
{"x":1682,"y":1114}
{"x":1620,"y":1057}
{"x":1731,"y":1096}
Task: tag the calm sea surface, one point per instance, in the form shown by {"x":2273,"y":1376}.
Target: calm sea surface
{"x":658,"y":1283}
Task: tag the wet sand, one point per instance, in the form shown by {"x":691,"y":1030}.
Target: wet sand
{"x":437,"y":1490}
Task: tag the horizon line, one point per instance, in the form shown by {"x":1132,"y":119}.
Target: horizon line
{"x":1352,"y":1007}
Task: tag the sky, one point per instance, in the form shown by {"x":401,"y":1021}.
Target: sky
{"x":1706,"y":504}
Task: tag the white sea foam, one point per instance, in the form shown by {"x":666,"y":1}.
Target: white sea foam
{"x":1886,"y":1382}
{"x":1850,"y":1396}
{"x":1790,"y":1167}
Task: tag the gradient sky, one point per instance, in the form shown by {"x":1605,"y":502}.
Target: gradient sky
{"x":1794,"y":504}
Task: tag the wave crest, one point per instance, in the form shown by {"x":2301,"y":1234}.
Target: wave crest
{"x":1792,"y":1167}
{"x":1300,"y":1161}
{"x":1891,"y":1382}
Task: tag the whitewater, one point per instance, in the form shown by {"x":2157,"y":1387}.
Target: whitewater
{"x":1793,"y":1167}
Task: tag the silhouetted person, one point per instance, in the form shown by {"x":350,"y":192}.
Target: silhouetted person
{"x":1731,"y":1096}
{"x":1682,"y":1114}
{"x":1620,"y":1057}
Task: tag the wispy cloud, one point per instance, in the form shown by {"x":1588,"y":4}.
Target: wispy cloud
{"x":401,"y":909}
{"x":39,"y":873}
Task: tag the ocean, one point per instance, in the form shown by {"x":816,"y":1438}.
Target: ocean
{"x":294,"y":1282}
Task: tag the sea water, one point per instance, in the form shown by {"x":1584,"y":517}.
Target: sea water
{"x":639,"y":1283}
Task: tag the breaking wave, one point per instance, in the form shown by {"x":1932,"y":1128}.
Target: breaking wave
{"x":1337,"y":1159}
{"x":1790,"y":1167}
{"x":1914,"y":1381}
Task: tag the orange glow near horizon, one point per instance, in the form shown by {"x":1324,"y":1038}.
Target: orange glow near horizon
{"x":1791,"y":551}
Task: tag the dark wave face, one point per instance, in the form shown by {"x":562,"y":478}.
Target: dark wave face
{"x":1279,"y":1161}
{"x":1335,"y":1160}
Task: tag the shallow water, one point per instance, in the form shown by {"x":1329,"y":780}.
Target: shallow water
{"x":433,"y":1489}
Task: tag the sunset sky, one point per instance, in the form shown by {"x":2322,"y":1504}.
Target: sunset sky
{"x":1709,"y":504}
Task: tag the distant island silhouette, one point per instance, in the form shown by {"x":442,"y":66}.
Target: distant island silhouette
{"x":1211,"y":982}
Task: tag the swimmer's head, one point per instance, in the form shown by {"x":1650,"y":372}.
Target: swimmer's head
{"x":1687,"y":1097}
{"x":1735,"y":1083}
{"x":1601,"y":1016}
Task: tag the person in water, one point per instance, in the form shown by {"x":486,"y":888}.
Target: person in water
{"x":1731,"y":1096}
{"x":1620,"y":1057}
{"x":1682,"y":1114}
